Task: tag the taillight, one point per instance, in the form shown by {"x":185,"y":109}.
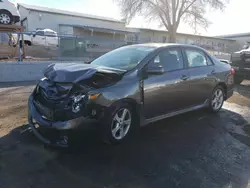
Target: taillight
{"x":232,"y":71}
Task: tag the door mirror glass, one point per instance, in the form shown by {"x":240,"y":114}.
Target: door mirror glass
{"x":155,"y":68}
{"x":33,"y":34}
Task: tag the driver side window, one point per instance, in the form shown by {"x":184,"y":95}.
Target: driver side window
{"x":169,"y":59}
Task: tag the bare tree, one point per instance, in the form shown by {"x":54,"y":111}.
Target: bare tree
{"x":171,"y":12}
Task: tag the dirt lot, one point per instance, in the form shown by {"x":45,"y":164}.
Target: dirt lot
{"x":191,"y":150}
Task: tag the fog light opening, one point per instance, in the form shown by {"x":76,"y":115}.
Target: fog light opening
{"x":63,"y":140}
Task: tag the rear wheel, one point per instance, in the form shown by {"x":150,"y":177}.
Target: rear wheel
{"x":5,"y":17}
{"x":217,"y":99}
{"x":118,"y":125}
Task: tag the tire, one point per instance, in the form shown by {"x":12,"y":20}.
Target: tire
{"x":238,"y":80}
{"x":6,"y":17}
{"x":217,"y":99}
{"x":117,"y":128}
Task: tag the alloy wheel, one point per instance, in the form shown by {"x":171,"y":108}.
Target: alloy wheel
{"x":121,"y":123}
{"x":217,"y":99}
{"x":4,"y":18}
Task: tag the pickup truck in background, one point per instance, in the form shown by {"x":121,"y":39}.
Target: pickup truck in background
{"x":240,"y":61}
{"x":43,"y":37}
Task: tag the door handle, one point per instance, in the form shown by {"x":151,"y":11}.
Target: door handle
{"x":184,"y":77}
{"x":213,"y":72}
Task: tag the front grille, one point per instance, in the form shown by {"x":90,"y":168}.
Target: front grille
{"x":56,"y":110}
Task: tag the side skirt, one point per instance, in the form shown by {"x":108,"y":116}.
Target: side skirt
{"x":171,"y":114}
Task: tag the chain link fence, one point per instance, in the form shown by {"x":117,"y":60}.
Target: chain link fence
{"x":37,"y":46}
{"x":47,"y":46}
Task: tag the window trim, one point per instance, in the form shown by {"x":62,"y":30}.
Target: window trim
{"x":169,"y":48}
{"x":198,"y":50}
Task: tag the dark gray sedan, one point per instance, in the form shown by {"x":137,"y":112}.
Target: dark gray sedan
{"x":130,"y":86}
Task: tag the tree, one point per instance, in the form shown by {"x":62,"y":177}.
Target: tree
{"x":171,"y":12}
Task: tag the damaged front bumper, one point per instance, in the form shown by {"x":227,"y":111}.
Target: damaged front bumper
{"x":39,"y":125}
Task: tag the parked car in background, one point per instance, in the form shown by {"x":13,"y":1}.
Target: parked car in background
{"x":41,"y":37}
{"x":241,"y":64}
{"x":130,"y":86}
{"x":8,"y":12}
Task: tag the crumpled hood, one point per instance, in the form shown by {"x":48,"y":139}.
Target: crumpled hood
{"x":73,"y":72}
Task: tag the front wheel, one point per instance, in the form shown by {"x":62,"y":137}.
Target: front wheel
{"x":118,"y":125}
{"x":217,"y":99}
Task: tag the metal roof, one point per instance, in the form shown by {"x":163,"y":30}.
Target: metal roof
{"x":237,"y":35}
{"x":65,"y":12}
{"x":185,"y":34}
{"x":99,"y":28}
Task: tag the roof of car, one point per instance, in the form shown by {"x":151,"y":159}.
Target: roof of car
{"x":159,"y":45}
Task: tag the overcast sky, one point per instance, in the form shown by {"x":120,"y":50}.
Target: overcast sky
{"x":233,"y":20}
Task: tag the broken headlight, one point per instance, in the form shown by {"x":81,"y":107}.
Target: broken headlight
{"x":80,"y":99}
{"x":76,"y":105}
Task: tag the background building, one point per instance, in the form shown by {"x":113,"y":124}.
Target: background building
{"x":82,"y":34}
{"x":241,"y":40}
{"x":217,"y":44}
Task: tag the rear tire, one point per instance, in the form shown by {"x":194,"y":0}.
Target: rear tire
{"x":217,"y":99}
{"x":238,"y":80}
{"x":118,"y":124}
{"x":6,"y":17}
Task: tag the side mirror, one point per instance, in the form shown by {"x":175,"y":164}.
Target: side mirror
{"x":33,"y":34}
{"x":155,"y":68}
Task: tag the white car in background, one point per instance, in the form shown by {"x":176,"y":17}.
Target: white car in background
{"x":40,"y":37}
{"x":8,"y":13}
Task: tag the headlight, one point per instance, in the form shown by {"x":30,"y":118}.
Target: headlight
{"x":76,"y":105}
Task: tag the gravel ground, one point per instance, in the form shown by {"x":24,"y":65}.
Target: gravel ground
{"x":196,"y":149}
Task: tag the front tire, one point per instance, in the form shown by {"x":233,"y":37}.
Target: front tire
{"x":217,"y":99}
{"x":6,"y":17}
{"x":118,"y":124}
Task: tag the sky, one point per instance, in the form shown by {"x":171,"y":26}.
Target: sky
{"x":234,"y":19}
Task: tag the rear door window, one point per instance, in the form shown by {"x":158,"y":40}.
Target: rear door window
{"x":41,"y":33}
{"x":196,"y":58}
{"x":170,"y":59}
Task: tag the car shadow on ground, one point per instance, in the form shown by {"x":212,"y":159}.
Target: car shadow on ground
{"x":243,"y":89}
{"x":190,"y":150}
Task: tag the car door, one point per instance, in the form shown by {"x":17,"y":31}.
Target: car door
{"x":39,"y":38}
{"x":169,"y":91}
{"x":202,"y":75}
{"x":51,"y":38}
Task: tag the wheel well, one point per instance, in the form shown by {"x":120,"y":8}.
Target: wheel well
{"x":26,"y":42}
{"x":4,"y":10}
{"x":224,"y":86}
{"x":132,"y":103}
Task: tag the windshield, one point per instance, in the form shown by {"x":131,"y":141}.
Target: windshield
{"x":125,"y":58}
